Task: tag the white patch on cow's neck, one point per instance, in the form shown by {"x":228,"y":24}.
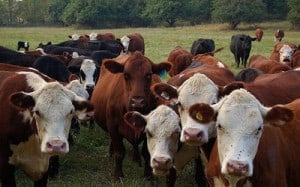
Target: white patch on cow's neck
{"x":28,"y":157}
{"x":33,"y":80}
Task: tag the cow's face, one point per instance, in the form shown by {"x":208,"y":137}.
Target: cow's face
{"x":125,"y":40}
{"x":137,"y":74}
{"x":89,"y":73}
{"x":198,"y":88}
{"x":239,"y":128}
{"x":162,"y":127}
{"x":286,"y":54}
{"x":247,"y":42}
{"x":52,"y":107}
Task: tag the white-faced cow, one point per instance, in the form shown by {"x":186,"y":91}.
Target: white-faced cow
{"x":283,"y":52}
{"x":278,"y":35}
{"x":240,"y":47}
{"x":35,"y":121}
{"x":133,"y":42}
{"x":256,"y":145}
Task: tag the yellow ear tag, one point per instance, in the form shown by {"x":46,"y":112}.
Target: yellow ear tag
{"x":199,"y":116}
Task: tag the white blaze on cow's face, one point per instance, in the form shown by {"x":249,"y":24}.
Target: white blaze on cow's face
{"x":239,"y":128}
{"x":286,"y":54}
{"x":125,"y":42}
{"x":93,"y":36}
{"x":75,"y":37}
{"x":198,"y":88}
{"x":88,"y":74}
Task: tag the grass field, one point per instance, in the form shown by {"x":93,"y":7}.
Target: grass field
{"x":87,"y":164}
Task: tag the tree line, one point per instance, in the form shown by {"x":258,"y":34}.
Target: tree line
{"x":145,"y":13}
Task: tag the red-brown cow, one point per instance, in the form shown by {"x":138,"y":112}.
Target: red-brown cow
{"x":208,"y":58}
{"x":124,"y":86}
{"x":256,"y":145}
{"x":266,"y":65}
{"x":283,"y":52}
{"x":278,"y":35}
{"x":35,"y":121}
{"x":296,"y":60}
{"x":180,"y":59}
{"x":271,"y":89}
{"x":133,"y":42}
{"x":259,"y":34}
{"x":102,"y":37}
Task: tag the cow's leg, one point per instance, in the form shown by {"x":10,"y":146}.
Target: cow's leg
{"x":42,"y":182}
{"x":171,"y":178}
{"x":111,"y":149}
{"x":8,"y":176}
{"x":53,"y":169}
{"x":136,"y":154}
{"x":119,"y":154}
{"x":200,"y":176}
{"x":147,"y":168}
{"x":237,"y":60}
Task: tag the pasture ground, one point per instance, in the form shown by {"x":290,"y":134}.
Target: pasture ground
{"x":88,"y":163}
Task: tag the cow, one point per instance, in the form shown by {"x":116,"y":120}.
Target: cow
{"x":267,"y":65}
{"x":283,"y":52}
{"x":278,"y":35}
{"x":24,"y":45}
{"x":180,"y":59}
{"x":133,"y":42}
{"x":202,"y":45}
{"x":36,"y":118}
{"x":271,"y":89}
{"x":240,"y":46}
{"x":127,"y":87}
{"x":296,"y":59}
{"x":256,"y":145}
{"x":208,"y":58}
{"x":102,"y":37}
{"x":16,"y":58}
{"x":248,"y":74}
{"x":84,"y":37}
{"x":259,"y":34}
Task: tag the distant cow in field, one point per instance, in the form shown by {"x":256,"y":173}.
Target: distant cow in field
{"x":79,"y":37}
{"x":202,"y":45}
{"x":124,"y":85}
{"x":35,"y":122}
{"x":24,"y":45}
{"x":240,"y":47}
{"x":133,"y":42}
{"x":259,"y":34}
{"x":102,"y":37}
{"x":278,"y":35}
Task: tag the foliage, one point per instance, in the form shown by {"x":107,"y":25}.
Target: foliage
{"x":236,"y":11}
{"x":294,"y":13}
{"x":276,"y":9}
{"x":55,"y":8}
{"x":199,"y":11}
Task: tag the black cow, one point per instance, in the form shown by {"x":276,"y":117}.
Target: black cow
{"x":24,"y":45}
{"x":202,"y":46}
{"x":248,"y":74}
{"x":240,"y":46}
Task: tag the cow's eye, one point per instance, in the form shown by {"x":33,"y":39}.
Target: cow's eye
{"x":36,"y":112}
{"x":148,"y":133}
{"x":219,"y":126}
{"x":126,"y":76}
{"x":258,"y":130}
{"x":148,"y":76}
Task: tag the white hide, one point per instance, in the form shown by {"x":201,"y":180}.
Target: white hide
{"x":75,"y":37}
{"x":125,"y":40}
{"x":93,"y":36}
{"x":78,"y":88}
{"x":198,"y":88}
{"x":162,"y":129}
{"x":286,"y":54}
{"x":88,"y":67}
{"x":239,"y":128}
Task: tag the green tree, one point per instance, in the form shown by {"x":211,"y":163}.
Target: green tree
{"x":294,"y":13}
{"x":276,"y":9}
{"x":55,"y":11}
{"x":236,"y":11}
{"x":197,"y":11}
{"x":163,"y":10}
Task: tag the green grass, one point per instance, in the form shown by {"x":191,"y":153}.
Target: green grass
{"x":87,"y":164}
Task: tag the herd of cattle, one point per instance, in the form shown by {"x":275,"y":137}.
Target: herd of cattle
{"x":241,"y":129}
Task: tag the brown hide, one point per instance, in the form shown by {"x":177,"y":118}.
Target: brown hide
{"x":259,"y":34}
{"x":266,"y":65}
{"x":136,"y":43}
{"x":180,"y":59}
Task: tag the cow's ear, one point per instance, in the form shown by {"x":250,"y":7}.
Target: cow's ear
{"x":202,"y":112}
{"x":164,"y":91}
{"x":22,"y":100}
{"x":84,"y":110}
{"x":136,"y":122}
{"x":74,"y":69}
{"x":226,"y":90}
{"x":161,"y":67}
{"x":114,"y":66}
{"x":279,"y":115}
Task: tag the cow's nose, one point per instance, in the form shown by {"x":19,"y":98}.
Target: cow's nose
{"x":238,"y":168}
{"x":193,"y":135}
{"x":162,"y":162}
{"x":56,"y":147}
{"x":137,"y":102}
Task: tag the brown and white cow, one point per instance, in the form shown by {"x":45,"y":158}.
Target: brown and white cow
{"x":283,"y":52}
{"x":124,"y":86}
{"x":133,"y":42}
{"x":256,"y":145}
{"x":162,"y":127}
{"x":259,"y":34}
{"x":102,"y":37}
{"x":35,"y":121}
{"x":278,"y":35}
